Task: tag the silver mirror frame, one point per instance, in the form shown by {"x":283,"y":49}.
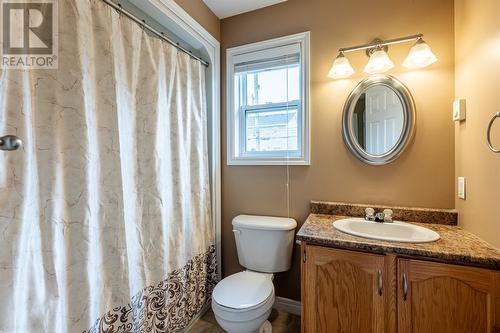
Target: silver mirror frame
{"x":408,"y":130}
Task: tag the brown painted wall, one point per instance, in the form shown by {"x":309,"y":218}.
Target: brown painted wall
{"x":203,"y":15}
{"x":422,"y":177}
{"x":477,"y":79}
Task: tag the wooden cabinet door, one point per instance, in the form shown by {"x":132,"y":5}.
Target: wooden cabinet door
{"x":442,"y":298}
{"x":343,"y":291}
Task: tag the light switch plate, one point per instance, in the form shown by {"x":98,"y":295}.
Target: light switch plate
{"x":459,"y":110}
{"x":461,"y":188}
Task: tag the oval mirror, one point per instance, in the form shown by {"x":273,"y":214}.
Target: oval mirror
{"x":378,"y":119}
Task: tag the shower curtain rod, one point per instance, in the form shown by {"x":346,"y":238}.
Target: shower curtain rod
{"x":159,"y":34}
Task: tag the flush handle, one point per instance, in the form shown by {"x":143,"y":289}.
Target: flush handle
{"x":405,"y":286}
{"x":380,"y":282}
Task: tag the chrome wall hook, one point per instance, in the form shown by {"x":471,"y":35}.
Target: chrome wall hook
{"x":10,"y":143}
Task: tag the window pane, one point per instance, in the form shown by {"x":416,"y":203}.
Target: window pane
{"x":272,"y":130}
{"x":273,"y":86}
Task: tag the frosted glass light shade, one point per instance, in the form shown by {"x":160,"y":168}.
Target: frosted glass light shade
{"x":379,"y":63}
{"x":420,"y":56}
{"x":341,"y":68}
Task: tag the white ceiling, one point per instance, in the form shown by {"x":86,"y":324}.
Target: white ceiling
{"x":226,"y":8}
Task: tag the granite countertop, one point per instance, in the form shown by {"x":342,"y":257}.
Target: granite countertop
{"x":455,"y":246}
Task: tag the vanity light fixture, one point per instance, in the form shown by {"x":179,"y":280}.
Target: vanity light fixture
{"x":341,"y":67}
{"x":379,"y":62}
{"x":420,"y":56}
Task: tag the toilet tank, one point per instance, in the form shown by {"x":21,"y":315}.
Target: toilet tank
{"x":264,"y":243}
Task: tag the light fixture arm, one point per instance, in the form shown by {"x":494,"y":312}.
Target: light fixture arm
{"x":381,"y":43}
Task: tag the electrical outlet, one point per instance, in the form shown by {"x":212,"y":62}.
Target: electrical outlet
{"x":461,"y":188}
{"x":459,"y":110}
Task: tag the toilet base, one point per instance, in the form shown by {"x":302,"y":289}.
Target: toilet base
{"x":266,"y":327}
{"x":250,"y":326}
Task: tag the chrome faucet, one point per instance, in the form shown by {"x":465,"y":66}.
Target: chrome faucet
{"x":384,"y":216}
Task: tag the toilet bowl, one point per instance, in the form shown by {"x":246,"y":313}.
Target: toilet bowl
{"x":242,"y":302}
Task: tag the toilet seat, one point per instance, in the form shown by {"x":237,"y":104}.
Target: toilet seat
{"x":242,"y":315}
{"x":243,"y":301}
{"x":244,"y":291}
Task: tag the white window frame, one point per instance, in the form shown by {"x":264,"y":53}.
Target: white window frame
{"x":235,"y":122}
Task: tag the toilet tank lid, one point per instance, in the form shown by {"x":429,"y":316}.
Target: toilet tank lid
{"x":264,"y":222}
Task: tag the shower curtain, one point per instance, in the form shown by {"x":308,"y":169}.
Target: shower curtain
{"x":105,"y":212}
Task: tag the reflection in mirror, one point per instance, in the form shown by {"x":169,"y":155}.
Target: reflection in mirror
{"x":377,"y":119}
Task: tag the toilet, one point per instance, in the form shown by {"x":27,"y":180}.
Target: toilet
{"x":243,"y":301}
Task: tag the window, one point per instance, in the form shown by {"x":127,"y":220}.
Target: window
{"x":267,"y":95}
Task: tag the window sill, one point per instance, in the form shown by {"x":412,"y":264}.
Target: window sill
{"x":293,"y":162}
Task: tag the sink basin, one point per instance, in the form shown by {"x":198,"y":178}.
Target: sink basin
{"x":393,"y":232}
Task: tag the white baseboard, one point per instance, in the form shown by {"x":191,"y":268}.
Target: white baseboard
{"x":287,"y":305}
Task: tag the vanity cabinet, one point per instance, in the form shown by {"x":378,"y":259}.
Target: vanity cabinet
{"x":350,"y":291}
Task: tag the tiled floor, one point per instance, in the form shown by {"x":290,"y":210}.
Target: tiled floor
{"x":282,"y":323}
